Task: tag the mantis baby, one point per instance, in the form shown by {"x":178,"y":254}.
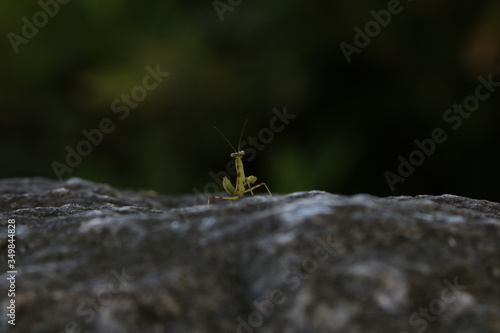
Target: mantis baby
{"x":243,"y":184}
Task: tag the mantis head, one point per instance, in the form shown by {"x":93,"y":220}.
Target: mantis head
{"x":239,"y":154}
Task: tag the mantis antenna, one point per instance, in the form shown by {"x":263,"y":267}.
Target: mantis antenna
{"x":239,"y":142}
{"x":241,"y":134}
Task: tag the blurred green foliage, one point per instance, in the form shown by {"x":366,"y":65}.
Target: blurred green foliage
{"x":353,"y":120}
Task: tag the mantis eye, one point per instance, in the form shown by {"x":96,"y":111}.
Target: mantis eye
{"x":251,"y":179}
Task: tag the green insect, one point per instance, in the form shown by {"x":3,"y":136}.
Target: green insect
{"x":243,"y":184}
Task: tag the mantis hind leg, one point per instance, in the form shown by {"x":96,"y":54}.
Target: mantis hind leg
{"x":259,"y":185}
{"x":225,"y":198}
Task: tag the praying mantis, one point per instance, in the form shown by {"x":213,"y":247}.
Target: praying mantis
{"x":243,"y":184}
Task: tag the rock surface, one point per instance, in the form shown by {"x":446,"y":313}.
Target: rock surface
{"x":91,"y":258}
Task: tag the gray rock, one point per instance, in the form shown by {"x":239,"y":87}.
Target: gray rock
{"x":90,"y":258}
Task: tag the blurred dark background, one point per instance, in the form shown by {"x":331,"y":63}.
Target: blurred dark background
{"x":352,"y":120}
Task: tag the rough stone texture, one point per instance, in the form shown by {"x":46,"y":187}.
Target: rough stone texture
{"x":91,"y":258}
